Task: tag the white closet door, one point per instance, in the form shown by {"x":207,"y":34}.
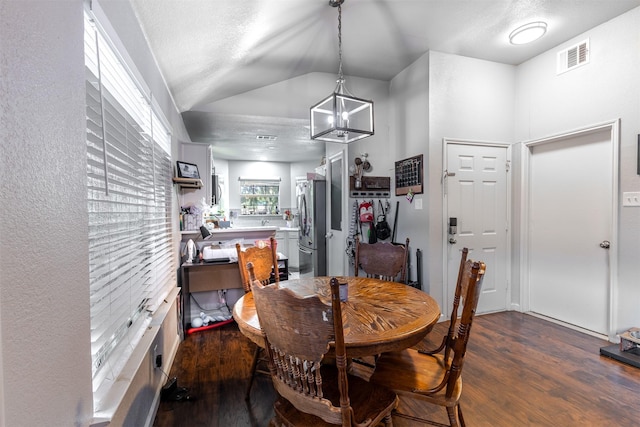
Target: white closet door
{"x":570,"y":190}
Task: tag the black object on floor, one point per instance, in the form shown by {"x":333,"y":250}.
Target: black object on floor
{"x":630,"y":357}
{"x":172,"y":393}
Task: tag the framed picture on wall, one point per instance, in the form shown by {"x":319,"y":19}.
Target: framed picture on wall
{"x":188,"y":170}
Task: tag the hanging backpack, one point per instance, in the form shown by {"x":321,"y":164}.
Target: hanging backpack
{"x":366,"y":212}
{"x":366,"y":217}
{"x":383,"y":231}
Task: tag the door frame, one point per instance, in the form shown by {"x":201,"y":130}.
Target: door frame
{"x":343,"y":268}
{"x":445,"y":236}
{"x":525,"y":295}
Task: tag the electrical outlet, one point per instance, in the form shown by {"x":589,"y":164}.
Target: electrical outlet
{"x":157,"y":357}
{"x":631,"y":199}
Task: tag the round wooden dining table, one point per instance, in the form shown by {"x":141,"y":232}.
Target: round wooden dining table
{"x":378,"y":316}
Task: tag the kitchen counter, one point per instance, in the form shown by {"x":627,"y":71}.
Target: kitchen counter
{"x":242,"y":229}
{"x":222,"y":234}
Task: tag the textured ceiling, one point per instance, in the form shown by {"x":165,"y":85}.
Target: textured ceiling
{"x":210,"y":50}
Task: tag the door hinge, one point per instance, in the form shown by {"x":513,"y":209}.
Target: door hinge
{"x":508,"y":165}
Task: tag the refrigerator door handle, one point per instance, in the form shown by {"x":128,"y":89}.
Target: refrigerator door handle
{"x":304,"y":216}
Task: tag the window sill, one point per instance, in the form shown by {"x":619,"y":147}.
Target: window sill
{"x":107,"y":405}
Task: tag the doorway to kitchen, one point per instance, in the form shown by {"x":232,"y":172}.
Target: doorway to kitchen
{"x":476,"y":213}
{"x":568,"y":227}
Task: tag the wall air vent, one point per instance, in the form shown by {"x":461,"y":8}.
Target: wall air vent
{"x":573,"y":57}
{"x":266,"y":137}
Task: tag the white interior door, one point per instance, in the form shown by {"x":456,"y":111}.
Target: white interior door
{"x":569,"y":216}
{"x":336,"y":233}
{"x":476,"y":196}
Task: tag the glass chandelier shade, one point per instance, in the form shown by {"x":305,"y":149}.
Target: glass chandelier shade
{"x":341,"y":117}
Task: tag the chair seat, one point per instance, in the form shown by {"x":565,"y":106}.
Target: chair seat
{"x":369,"y":401}
{"x":408,"y":370}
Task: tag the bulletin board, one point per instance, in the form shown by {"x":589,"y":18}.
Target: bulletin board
{"x":410,"y":175}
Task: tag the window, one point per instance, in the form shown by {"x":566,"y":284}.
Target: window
{"x":129,"y":170}
{"x":259,"y":196}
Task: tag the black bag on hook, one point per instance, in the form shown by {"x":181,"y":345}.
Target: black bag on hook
{"x":383,"y":231}
{"x":371,"y":232}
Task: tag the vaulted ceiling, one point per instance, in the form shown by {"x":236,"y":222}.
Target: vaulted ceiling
{"x":210,"y":50}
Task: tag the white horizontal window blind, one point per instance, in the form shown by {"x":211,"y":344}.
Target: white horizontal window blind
{"x":129,"y":203}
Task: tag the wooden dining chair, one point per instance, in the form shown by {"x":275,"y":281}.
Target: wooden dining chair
{"x":265,"y":269}
{"x":298,"y":333}
{"x":432,"y":378}
{"x":448,"y":339}
{"x":382,"y":260}
{"x":264,"y":260}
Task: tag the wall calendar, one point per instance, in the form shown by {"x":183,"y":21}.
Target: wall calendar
{"x":409,"y":176}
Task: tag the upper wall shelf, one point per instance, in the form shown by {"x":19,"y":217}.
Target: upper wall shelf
{"x":188,"y":182}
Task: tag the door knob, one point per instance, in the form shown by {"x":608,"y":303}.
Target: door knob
{"x":452,"y":240}
{"x":329,"y":235}
{"x":605,"y":244}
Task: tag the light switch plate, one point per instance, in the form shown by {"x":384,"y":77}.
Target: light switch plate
{"x":418,"y":204}
{"x":631,"y":199}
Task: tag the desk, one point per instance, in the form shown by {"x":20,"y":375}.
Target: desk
{"x":213,"y":276}
{"x":378,"y":317}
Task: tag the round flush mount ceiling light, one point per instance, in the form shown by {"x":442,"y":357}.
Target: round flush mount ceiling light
{"x":528,"y":33}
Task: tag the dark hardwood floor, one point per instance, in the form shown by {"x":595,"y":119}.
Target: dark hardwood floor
{"x":519,"y":371}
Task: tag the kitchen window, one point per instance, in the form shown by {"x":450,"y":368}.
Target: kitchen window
{"x":259,"y":196}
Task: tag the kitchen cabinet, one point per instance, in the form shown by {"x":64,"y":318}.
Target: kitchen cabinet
{"x":292,"y":247}
{"x":283,"y":242}
{"x":287,"y":240}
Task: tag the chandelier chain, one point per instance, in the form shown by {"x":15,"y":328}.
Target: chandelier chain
{"x":340,"y":41}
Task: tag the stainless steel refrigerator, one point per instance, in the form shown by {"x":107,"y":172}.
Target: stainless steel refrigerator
{"x":312,"y":203}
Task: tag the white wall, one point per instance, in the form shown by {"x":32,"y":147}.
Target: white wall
{"x":607,"y":88}
{"x":45,"y":371}
{"x":473,"y":99}
{"x":299,"y":169}
{"x":438,"y":96}
{"x":231,"y":187}
{"x":469,"y":99}
{"x":410,"y":137}
{"x":259,"y":170}
{"x":44,"y":293}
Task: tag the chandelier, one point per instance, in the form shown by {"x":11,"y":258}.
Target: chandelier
{"x":341,"y":117}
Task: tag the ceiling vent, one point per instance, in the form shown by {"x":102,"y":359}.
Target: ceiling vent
{"x":573,"y":57}
{"x":266,"y":137}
